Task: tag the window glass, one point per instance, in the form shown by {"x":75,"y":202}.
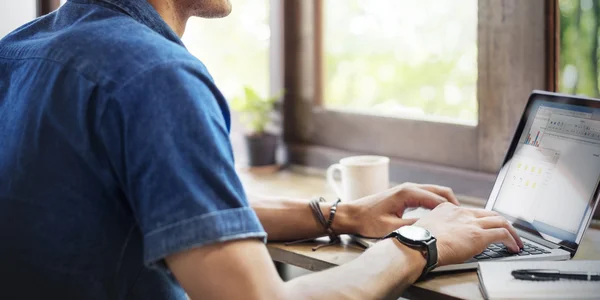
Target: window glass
{"x":14,"y":14}
{"x":402,"y":58}
{"x":578,"y":54}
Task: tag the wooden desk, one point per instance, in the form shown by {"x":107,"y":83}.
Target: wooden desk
{"x":464,"y":285}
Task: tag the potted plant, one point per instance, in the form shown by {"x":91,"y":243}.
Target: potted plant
{"x":255,"y":115}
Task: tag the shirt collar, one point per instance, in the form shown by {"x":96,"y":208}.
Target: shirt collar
{"x":143,"y":12}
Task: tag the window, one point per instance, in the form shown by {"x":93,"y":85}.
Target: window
{"x":438,"y":87}
{"x":578,"y":47}
{"x":402,"y":58}
{"x":14,"y":14}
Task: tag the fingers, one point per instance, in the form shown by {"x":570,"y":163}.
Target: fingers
{"x":481,"y":213}
{"x":501,"y":235}
{"x":443,"y":191}
{"x":417,"y":197}
{"x":488,"y":219}
{"x":500,"y":222}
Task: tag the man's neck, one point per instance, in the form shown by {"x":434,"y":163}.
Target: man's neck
{"x":171,"y":14}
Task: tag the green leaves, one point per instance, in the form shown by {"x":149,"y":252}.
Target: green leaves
{"x":254,"y":109}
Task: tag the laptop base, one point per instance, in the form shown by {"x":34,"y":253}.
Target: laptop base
{"x":472,"y":264}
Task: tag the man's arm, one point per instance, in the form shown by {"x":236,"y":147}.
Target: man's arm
{"x":291,"y":219}
{"x":373,"y":216}
{"x":243,"y":270}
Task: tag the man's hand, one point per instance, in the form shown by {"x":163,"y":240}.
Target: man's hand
{"x":378,"y":215}
{"x":462,"y":233}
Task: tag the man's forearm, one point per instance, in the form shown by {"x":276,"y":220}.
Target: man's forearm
{"x":288,"y":219}
{"x":384,"y":270}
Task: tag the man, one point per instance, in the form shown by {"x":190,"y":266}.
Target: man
{"x":117,"y":177}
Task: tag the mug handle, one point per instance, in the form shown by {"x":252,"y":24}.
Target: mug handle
{"x":331,"y":179}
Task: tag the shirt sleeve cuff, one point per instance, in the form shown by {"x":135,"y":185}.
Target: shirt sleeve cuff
{"x":210,"y":228}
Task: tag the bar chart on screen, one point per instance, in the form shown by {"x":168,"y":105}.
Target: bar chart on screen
{"x":536,"y":132}
{"x":534,"y":142}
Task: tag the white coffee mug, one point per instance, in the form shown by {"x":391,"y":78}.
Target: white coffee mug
{"x":361,"y":176}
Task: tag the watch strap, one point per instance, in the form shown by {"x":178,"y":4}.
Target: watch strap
{"x":431,"y":257}
{"x":428,"y":248}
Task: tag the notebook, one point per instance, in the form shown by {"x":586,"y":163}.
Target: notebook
{"x":496,"y":281}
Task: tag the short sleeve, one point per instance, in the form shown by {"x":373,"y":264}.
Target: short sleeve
{"x":167,"y":138}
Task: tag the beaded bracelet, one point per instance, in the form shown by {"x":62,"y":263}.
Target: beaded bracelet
{"x":332,"y":212}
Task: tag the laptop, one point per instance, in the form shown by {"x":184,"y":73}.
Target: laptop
{"x":549,"y":184}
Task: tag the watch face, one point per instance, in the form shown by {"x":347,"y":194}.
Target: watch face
{"x":414,"y":233}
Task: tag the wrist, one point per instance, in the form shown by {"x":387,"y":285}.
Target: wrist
{"x":414,"y":258}
{"x":344,"y":221}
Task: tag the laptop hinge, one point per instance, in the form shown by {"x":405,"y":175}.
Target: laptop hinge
{"x":538,"y":239}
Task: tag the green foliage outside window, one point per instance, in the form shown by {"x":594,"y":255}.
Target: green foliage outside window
{"x":402,"y":58}
{"x":579,"y":31}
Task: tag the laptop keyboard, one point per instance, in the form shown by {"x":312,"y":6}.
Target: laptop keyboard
{"x":499,"y":250}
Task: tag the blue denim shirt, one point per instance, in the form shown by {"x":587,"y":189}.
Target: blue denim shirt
{"x":114,"y":153}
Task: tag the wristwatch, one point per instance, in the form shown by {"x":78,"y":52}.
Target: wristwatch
{"x":418,"y":238}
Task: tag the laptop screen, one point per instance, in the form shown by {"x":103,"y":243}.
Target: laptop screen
{"x":551,"y":179}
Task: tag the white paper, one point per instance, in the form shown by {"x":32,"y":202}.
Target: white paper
{"x":498,"y":282}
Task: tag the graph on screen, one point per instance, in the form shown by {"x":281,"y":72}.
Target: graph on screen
{"x":536,"y":132}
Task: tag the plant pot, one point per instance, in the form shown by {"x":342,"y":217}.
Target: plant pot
{"x":261,"y":149}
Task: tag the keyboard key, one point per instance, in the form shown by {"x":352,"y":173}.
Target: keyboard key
{"x":545,"y":252}
{"x":482,"y":256}
{"x":535,"y":252}
{"x":504,"y":253}
{"x":523,"y":253}
{"x":494,"y":255}
{"x":489,"y":252}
